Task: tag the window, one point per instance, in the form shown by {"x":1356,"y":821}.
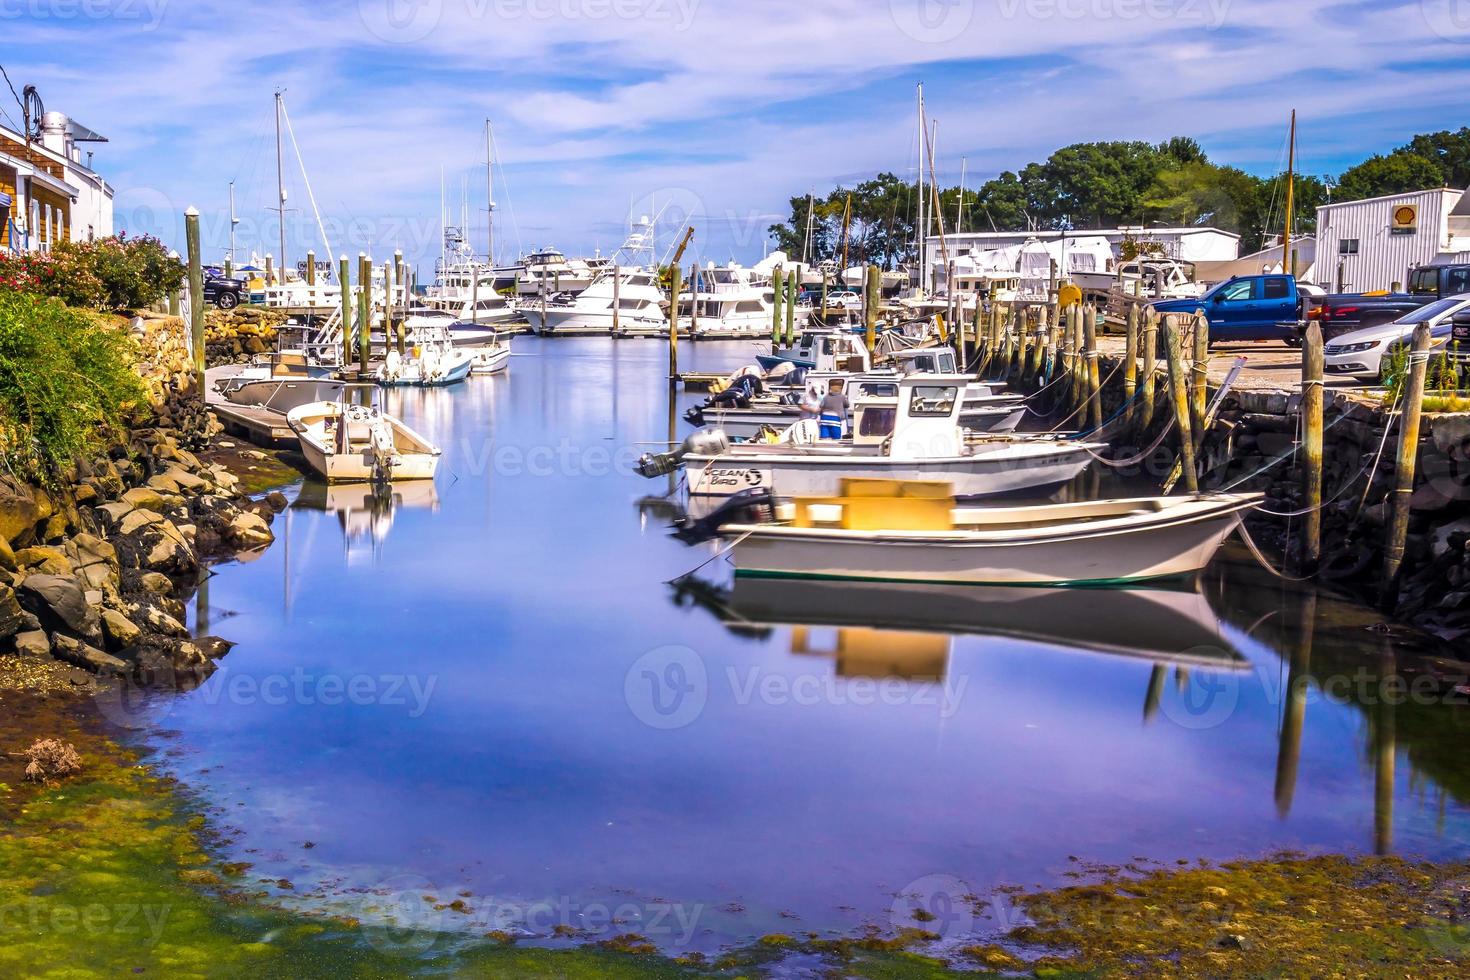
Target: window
{"x":1277,"y":288}
{"x":749,"y":306}
{"x":932,"y":401}
{"x":1238,"y":292}
{"x":1347,"y":246}
{"x":1456,"y":281}
{"x":1425,"y":280}
{"x":877,"y":421}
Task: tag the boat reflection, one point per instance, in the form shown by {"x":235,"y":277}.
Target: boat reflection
{"x":366,"y":510}
{"x":1170,"y":626}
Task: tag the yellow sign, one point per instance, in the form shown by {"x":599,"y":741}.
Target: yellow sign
{"x":1406,"y":217}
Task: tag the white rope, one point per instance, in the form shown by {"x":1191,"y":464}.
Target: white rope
{"x":1251,"y":544}
{"x":1133,"y":460}
{"x":719,"y":554}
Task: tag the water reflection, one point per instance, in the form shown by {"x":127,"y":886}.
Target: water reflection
{"x":520,"y":731}
{"x":365,"y":511}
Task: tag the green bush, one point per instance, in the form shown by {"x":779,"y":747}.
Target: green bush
{"x":118,"y":273}
{"x":67,"y":383}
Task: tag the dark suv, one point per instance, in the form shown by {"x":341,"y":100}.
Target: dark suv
{"x":224,"y":293}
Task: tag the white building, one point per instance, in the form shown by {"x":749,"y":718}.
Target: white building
{"x":1372,"y":244}
{"x":1188,"y":244}
{"x":48,"y":192}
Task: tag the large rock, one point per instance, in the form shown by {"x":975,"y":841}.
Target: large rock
{"x":52,"y":561}
{"x":33,"y":643}
{"x":137,"y":520}
{"x":12,"y":616}
{"x":63,"y":602}
{"x":18,"y":516}
{"x":119,"y":630}
{"x":249,"y":530}
{"x":86,"y":656}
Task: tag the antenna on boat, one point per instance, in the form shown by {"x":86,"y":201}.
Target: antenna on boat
{"x":489,"y":195}
{"x":281,"y":189}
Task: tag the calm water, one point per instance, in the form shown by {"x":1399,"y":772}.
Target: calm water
{"x":491,"y":691}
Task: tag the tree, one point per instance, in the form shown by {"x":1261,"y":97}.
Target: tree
{"x":1397,"y":173}
{"x":1450,"y":151}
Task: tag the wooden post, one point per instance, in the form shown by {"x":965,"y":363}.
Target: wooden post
{"x":344,"y":280}
{"x":388,"y":307}
{"x":175,"y":296}
{"x":1199,"y":388}
{"x":1312,"y":399}
{"x":778,"y":289}
{"x":1408,"y":455}
{"x":793,"y":289}
{"x":1179,"y":391}
{"x":270,"y":266}
{"x":976,"y":346}
{"x":873,"y":298}
{"x":364,"y":309}
{"x":1149,"y":351}
{"x":1130,"y":366}
{"x":475,"y":297}
{"x":617,"y":298}
{"x":196,"y":295}
{"x":673,"y":323}
{"x":397,"y":288}
{"x":310,"y":268}
{"x":1094,"y":378}
{"x":693,"y":299}
{"x":229,"y":267}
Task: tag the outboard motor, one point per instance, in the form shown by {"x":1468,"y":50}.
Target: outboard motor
{"x":730,"y":398}
{"x":695,"y":416}
{"x":753,"y":505}
{"x":707,"y":442}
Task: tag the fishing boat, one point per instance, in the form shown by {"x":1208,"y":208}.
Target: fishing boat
{"x":357,"y":443}
{"x":280,"y":382}
{"x":913,"y":532}
{"x":490,"y":358}
{"x":432,"y":365}
{"x":822,"y":350}
{"x":914,"y":434}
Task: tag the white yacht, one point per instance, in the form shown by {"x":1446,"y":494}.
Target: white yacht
{"x":726,"y":304}
{"x":639,"y":307}
{"x":550,"y":273}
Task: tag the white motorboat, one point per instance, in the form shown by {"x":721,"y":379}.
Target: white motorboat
{"x":634,"y":292}
{"x":357,"y":443}
{"x":549,"y":272}
{"x":434,"y":365}
{"x":491,"y":358}
{"x":280,"y":382}
{"x":817,"y":349}
{"x":920,"y":535}
{"x":914,"y":434}
{"x":726,"y":304}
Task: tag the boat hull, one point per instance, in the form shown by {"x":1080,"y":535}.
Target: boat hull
{"x":1164,"y":548}
{"x":819,"y":475}
{"x":360,"y":467}
{"x":279,"y":395}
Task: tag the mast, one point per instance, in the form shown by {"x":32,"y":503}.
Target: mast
{"x":233,"y":222}
{"x":811,"y":211}
{"x":281,"y":191}
{"x":959,"y":211}
{"x":922,"y":226}
{"x":489,"y":199}
{"x":1287,"y":265}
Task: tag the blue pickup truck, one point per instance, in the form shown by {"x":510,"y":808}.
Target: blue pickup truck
{"x":1248,"y":308}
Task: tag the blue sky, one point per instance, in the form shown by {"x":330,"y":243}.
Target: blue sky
{"x":716,"y":111}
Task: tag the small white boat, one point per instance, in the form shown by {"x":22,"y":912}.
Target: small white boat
{"x":280,"y":382}
{"x":912,"y":433}
{"x":490,"y":359}
{"x":357,"y":443}
{"x":923,"y":537}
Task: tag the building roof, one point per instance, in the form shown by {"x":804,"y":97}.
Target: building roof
{"x":1390,"y":197}
{"x":1133,"y":230}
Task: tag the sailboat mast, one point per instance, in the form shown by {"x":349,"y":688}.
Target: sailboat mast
{"x":811,"y":212}
{"x":921,"y":227}
{"x":281,"y":192}
{"x":959,"y":210}
{"x":1287,"y":265}
{"x":233,"y":221}
{"x":489,"y":198}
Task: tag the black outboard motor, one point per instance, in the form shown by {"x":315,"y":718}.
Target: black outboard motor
{"x":707,"y":442}
{"x":695,"y":416}
{"x":730,"y":398}
{"x":753,"y":505}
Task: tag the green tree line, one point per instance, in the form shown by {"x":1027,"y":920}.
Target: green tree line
{"x":1108,"y":184}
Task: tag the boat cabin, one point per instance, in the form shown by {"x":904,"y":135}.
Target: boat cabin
{"x":826,"y":350}
{"x":920,"y":413}
{"x":925,"y":360}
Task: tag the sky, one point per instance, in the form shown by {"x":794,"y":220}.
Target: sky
{"x":708,"y":112}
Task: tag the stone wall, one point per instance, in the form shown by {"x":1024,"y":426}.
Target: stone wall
{"x":234,"y":336}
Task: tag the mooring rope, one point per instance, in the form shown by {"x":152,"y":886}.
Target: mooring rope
{"x":1256,"y":551}
{"x":718,"y":554}
{"x":1134,"y":460}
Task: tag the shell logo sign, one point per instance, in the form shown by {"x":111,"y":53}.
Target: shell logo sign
{"x":1405,"y":219}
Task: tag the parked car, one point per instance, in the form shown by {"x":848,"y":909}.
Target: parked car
{"x":1247,"y":308}
{"x":1361,"y":353}
{"x":225,"y":293}
{"x":1342,"y":313}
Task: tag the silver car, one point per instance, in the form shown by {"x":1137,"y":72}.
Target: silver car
{"x":1361,"y":353}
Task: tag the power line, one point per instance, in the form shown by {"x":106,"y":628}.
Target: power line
{"x":15,"y":96}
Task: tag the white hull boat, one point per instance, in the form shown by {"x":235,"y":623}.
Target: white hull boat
{"x":491,"y":360}
{"x":1108,"y":542}
{"x":280,"y":394}
{"x":357,"y":443}
{"x":436,"y":366}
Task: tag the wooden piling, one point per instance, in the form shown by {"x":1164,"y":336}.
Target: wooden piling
{"x":793,"y":289}
{"x":388,"y":306}
{"x":196,"y":295}
{"x":398,"y":287}
{"x":617,"y":298}
{"x":1312,"y":399}
{"x":1178,"y":390}
{"x":1199,"y":388}
{"x":310,"y":268}
{"x":364,"y":309}
{"x":1094,"y":379}
{"x":1130,"y":365}
{"x":673,"y":323}
{"x":778,"y":289}
{"x":1148,"y":349}
{"x":344,"y":280}
{"x":693,"y":299}
{"x":872,"y":300}
{"x":270,"y":270}
{"x":1404,"y":465}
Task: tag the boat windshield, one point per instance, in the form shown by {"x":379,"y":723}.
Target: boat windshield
{"x":932,"y":401}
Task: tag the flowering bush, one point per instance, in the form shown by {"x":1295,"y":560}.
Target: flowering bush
{"x":118,"y":273}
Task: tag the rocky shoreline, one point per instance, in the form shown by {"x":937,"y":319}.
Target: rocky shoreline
{"x":95,"y":569}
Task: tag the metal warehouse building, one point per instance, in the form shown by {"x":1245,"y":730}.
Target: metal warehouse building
{"x":1370,"y":245}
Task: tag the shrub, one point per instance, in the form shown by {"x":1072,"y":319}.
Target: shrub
{"x":118,"y":273}
{"x":66,"y":383}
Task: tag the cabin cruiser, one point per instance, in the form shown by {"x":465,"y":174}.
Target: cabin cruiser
{"x":549,"y":273}
{"x":726,"y":304}
{"x":913,"y":434}
{"x":632,"y":293}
